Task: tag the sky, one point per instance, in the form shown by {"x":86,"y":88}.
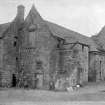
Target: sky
{"x":84,"y":16}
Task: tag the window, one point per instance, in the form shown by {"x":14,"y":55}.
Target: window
{"x":58,"y":45}
{"x":38,"y":64}
{"x":82,"y":47}
{"x":15,"y":43}
{"x":16,"y":58}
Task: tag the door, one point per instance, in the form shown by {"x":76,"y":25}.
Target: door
{"x":39,"y":81}
{"x":13,"y":80}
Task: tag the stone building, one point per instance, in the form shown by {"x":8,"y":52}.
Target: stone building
{"x":35,"y":52}
{"x":97,"y":58}
{"x":97,"y":66}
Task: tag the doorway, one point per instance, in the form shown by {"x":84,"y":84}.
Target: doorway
{"x":39,"y":81}
{"x":13,"y":80}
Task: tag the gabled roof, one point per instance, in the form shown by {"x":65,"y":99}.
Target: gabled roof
{"x":71,"y":36}
{"x":33,"y":16}
{"x":99,"y":39}
{"x":59,"y":31}
{"x":3,"y":28}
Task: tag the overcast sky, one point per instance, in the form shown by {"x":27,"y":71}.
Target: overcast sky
{"x":84,"y":16}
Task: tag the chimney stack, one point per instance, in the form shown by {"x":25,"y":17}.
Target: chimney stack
{"x":20,"y":12}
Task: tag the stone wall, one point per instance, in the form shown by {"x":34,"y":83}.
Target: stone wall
{"x":79,"y":57}
{"x":37,"y":48}
{"x":84,"y":62}
{"x":8,"y":59}
{"x":9,"y":48}
{"x":1,"y":60}
{"x":75,"y":65}
{"x":27,"y":45}
{"x":97,"y":67}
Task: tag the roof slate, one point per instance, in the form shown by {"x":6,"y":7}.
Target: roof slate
{"x":3,"y":27}
{"x":71,"y":36}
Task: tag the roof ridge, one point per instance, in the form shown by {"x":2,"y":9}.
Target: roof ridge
{"x":67,"y":29}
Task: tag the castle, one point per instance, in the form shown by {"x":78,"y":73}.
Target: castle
{"x":34,"y":52}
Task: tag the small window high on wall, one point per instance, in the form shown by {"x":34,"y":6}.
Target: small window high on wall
{"x":15,"y":43}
